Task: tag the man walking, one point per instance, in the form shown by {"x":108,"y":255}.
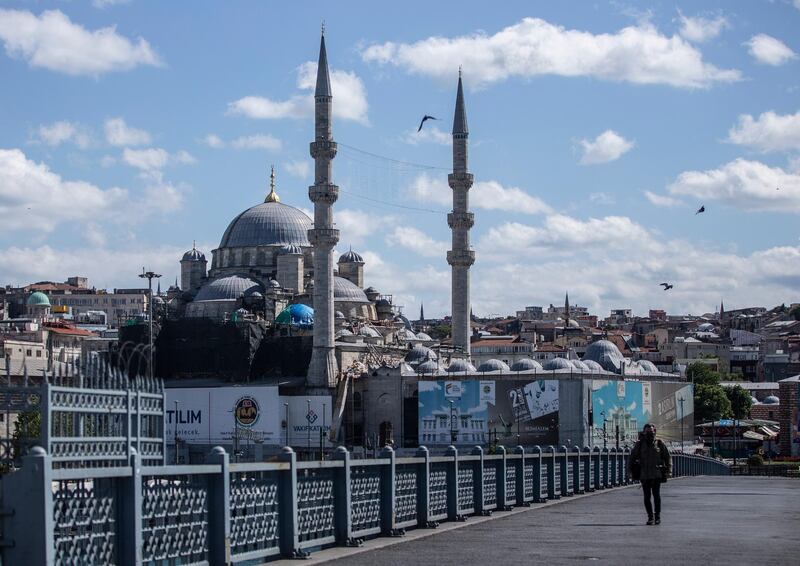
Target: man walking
{"x":650,"y":463}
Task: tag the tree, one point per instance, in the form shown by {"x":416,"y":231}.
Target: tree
{"x":701,"y":374}
{"x":440,"y":332}
{"x":27,"y":427}
{"x":740,"y":401}
{"x":710,"y":403}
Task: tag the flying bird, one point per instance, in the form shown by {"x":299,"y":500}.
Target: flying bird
{"x":701,"y":209}
{"x":666,"y":286}
{"x":425,"y":119}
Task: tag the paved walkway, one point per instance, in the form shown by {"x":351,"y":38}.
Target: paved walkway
{"x":713,"y":520}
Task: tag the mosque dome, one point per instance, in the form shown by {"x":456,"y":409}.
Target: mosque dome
{"x":270,"y":223}
{"x":296,"y":315}
{"x":493,"y":365}
{"x":38,"y":299}
{"x":338,"y":315}
{"x":406,"y":334}
{"x":648,"y":366}
{"x":345,"y":290}
{"x":194,"y":255}
{"x":771,"y":400}
{"x":557,"y":363}
{"x":578,"y":364}
{"x":420,"y":353}
{"x":429,"y":367}
{"x":592,"y":365}
{"x":526,"y":364}
{"x":606,"y":354}
{"x":423,"y":336}
{"x":370,"y":290}
{"x":256,"y":295}
{"x":343,"y":332}
{"x":460,"y":365}
{"x":350,"y":257}
{"x":706,"y":327}
{"x":227,"y":288}
{"x":287,"y":249}
{"x":369,"y":332}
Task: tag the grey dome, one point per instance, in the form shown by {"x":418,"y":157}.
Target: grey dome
{"x":526,"y":364}
{"x":557,"y":363}
{"x":370,"y":290}
{"x":344,"y":290}
{"x":420,"y":353}
{"x":194,"y":255}
{"x":493,"y":365}
{"x":460,"y":365}
{"x":592,"y":365}
{"x":429,"y":366}
{"x":256,"y":295}
{"x":274,"y":284}
{"x":227,"y":288}
{"x":290,"y":249}
{"x":771,"y":400}
{"x":338,"y":315}
{"x":606,"y":354}
{"x":578,"y":364}
{"x":423,"y":336}
{"x":350,"y":257}
{"x":648,"y":366}
{"x":406,"y":334}
{"x":706,"y":327}
{"x":343,"y":332}
{"x":369,"y":332}
{"x":268,"y":224}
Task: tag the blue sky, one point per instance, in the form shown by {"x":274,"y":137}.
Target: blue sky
{"x":131,"y":129}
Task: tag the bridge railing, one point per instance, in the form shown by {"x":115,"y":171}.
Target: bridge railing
{"x":224,"y":513}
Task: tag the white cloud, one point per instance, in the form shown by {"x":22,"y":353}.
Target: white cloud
{"x":349,"y":98}
{"x":356,"y":225}
{"x":639,"y":54}
{"x":106,"y":3}
{"x":299,"y":168}
{"x":213,"y":140}
{"x":53,"y":42}
{"x":699,"y":29}
{"x":118,"y":133}
{"x":428,"y":134}
{"x":184,"y":158}
{"x":661,"y":200}
{"x":769,"y":50}
{"x":32,"y":197}
{"x":602,"y":198}
{"x":257,"y":141}
{"x":487,"y":195}
{"x":608,"y":146}
{"x":417,"y":241}
{"x":768,"y":132}
{"x":744,"y":184}
{"x":62,"y":132}
{"x":150,"y":159}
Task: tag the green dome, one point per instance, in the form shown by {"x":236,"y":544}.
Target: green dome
{"x":38,"y":299}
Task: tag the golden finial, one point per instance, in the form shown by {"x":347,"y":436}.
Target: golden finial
{"x":272,"y":196}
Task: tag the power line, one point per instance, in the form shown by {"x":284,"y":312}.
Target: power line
{"x":398,"y":161}
{"x":387,"y":203}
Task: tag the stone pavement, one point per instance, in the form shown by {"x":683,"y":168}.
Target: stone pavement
{"x":706,"y":520}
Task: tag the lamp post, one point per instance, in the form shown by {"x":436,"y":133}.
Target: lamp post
{"x":175,"y":425}
{"x":453,"y":423}
{"x":603,"y":414}
{"x":150,"y":275}
{"x":308,"y":428}
{"x":286,"y":407}
{"x":681,"y":401}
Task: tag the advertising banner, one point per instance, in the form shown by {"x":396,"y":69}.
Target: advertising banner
{"x":209,"y":415}
{"x":308,"y":416}
{"x":624,"y":407}
{"x":484,"y":412}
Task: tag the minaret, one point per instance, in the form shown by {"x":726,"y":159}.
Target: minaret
{"x":323,"y":237}
{"x":422,"y":312}
{"x":566,"y":311}
{"x":460,"y":257}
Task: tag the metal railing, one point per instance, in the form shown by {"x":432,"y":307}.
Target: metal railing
{"x":223,"y":513}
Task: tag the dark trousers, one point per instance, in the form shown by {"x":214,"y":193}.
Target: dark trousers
{"x":652,"y":487}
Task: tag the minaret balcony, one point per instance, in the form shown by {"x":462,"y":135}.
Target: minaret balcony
{"x":461,"y":258}
{"x":464,"y":220}
{"x":323,"y":194}
{"x":325,"y":149}
{"x":460,"y":180}
{"x":323,"y":237}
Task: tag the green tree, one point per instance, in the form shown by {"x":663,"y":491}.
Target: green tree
{"x":702,"y":374}
{"x":440,"y":332}
{"x":710,"y":403}
{"x":27,"y":427}
{"x":740,"y":400}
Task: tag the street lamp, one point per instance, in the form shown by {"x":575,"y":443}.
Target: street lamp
{"x":150,"y":275}
{"x":603,"y":414}
{"x":286,"y":407}
{"x":681,"y":401}
{"x":175,"y":425}
{"x":308,"y":428}
{"x":453,"y":423}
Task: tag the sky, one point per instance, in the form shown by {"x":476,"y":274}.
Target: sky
{"x":132,"y":128}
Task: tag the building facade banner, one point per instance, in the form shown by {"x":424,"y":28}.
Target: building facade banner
{"x":507,"y":412}
{"x":210,"y":415}
{"x":308,"y":418}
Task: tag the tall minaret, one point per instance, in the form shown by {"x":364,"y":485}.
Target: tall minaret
{"x":566,"y":311}
{"x":323,"y":237}
{"x":460,"y":257}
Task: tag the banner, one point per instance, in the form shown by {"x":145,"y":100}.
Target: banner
{"x":307,"y":417}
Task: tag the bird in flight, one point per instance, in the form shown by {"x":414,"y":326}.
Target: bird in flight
{"x":701,"y":209}
{"x":666,"y":286}
{"x":425,"y":119}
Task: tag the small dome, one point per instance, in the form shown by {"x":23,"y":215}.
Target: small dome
{"x":345,"y":290}
{"x":350,"y":257}
{"x":38,"y":299}
{"x":406,"y":334}
{"x":493,"y":365}
{"x":288,"y":249}
{"x":227,"y":288}
{"x":369,"y":332}
{"x":771,"y":400}
{"x":526,"y":364}
{"x":592,"y":365}
{"x":460,"y":365}
{"x":423,"y":336}
{"x":194,"y":255}
{"x":338,"y":315}
{"x":296,"y":315}
{"x":606,"y":354}
{"x":573,"y":323}
{"x":648,"y":366}
{"x":274,"y":284}
{"x":429,"y":367}
{"x":557,"y":363}
{"x":256,"y":295}
{"x":370,"y":290}
{"x":420,"y":353}
{"x":578,"y":364}
{"x":343,"y":332}
{"x":706,"y":327}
